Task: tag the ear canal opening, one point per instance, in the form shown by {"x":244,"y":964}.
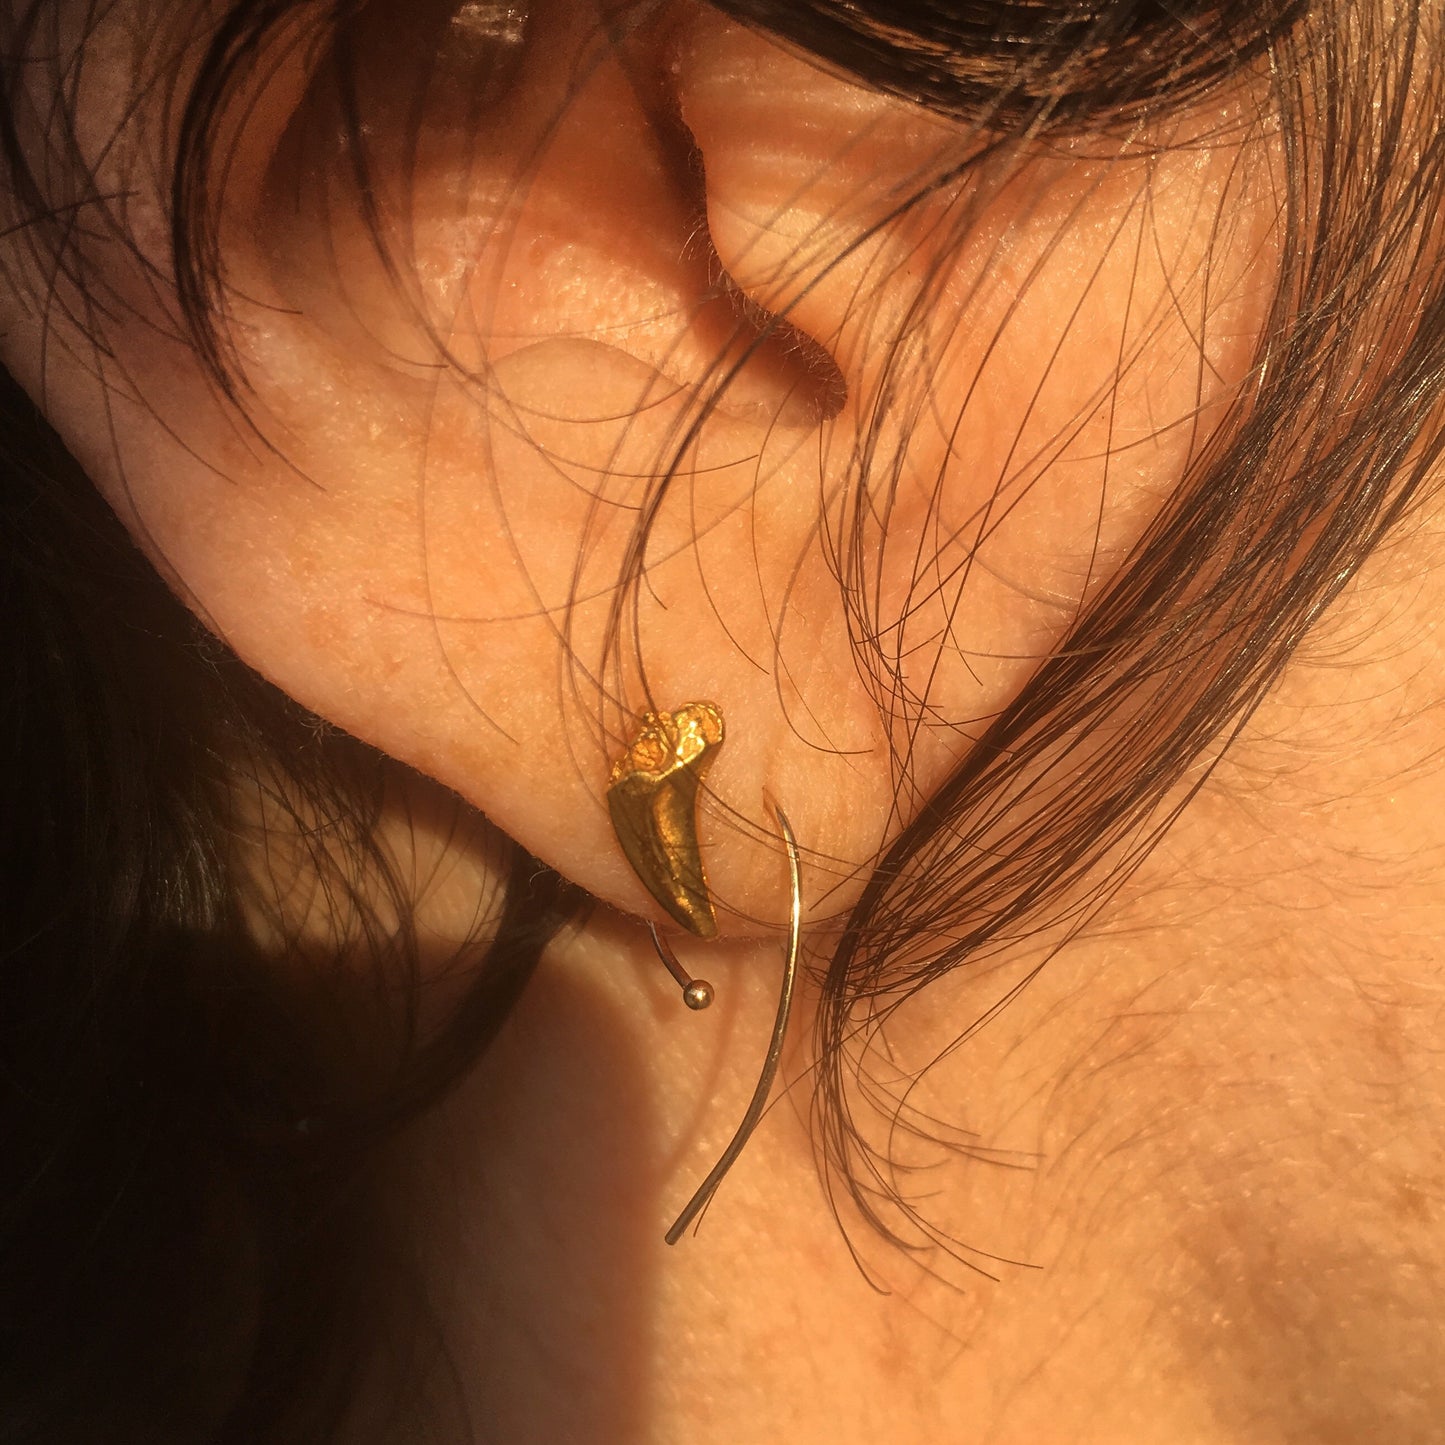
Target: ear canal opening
{"x":747,"y":332}
{"x":826,"y":388}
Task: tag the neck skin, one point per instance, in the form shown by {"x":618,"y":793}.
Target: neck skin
{"x":1205,"y":1134}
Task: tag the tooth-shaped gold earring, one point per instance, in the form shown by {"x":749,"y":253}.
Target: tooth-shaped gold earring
{"x":652,"y":796}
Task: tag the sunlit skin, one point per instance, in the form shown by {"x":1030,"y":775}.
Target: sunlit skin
{"x":1216,"y":1177}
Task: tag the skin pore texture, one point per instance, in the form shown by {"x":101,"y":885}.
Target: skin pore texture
{"x":1201,"y":1195}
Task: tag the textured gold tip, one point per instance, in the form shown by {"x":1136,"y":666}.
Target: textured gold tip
{"x":652,"y":797}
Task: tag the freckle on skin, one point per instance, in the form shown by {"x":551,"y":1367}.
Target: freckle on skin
{"x":1412,"y":1203}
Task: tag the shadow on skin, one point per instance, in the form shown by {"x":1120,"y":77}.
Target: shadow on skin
{"x":548,"y":1328}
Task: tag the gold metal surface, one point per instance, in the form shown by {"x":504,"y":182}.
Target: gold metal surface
{"x":652,"y":796}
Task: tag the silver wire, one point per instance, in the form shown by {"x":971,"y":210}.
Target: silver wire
{"x":696,"y":992}
{"x":708,"y":1187}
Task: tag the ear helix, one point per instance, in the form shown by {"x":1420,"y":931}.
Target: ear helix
{"x":652,"y":797}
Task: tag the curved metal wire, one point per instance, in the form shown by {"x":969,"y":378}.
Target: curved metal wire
{"x":708,"y":1187}
{"x":696,"y":992}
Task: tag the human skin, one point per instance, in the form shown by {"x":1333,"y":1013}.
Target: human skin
{"x":1227,"y":1203}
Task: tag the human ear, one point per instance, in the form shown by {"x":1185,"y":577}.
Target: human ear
{"x":663,"y":367}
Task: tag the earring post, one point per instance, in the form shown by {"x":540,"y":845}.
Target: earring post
{"x":696,"y":992}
